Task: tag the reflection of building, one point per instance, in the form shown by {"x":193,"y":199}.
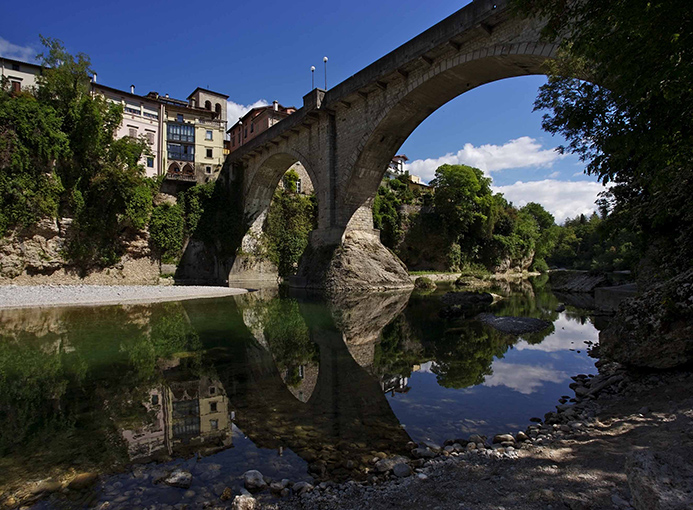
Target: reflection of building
{"x":186,"y":414}
{"x":395,"y":384}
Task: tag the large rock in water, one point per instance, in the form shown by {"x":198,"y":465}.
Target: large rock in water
{"x":660,"y":481}
{"x":654,"y":330}
{"x":513,"y":325}
{"x":361,"y":262}
{"x":576,"y":281}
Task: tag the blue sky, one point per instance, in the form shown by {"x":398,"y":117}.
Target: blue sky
{"x":262,"y":51}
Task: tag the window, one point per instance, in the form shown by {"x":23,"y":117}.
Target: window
{"x":15,"y":67}
{"x":150,"y":137}
{"x":155,"y":399}
{"x":180,"y":132}
{"x":181,"y":152}
{"x":179,"y":117}
{"x":132,"y":132}
{"x":252,"y":128}
{"x":214,"y":424}
{"x":208,"y":105}
{"x":212,"y":390}
{"x":217,"y":109}
{"x":208,"y":169}
{"x":209,"y":153}
{"x":128,"y":109}
{"x":213,"y":407}
{"x":150,"y":162}
{"x":245,"y":133}
{"x":301,"y":371}
{"x":298,"y":185}
{"x":16,"y":87}
{"x":233,"y":141}
{"x":208,"y":135}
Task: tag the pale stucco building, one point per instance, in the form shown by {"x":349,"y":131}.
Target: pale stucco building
{"x":19,"y":75}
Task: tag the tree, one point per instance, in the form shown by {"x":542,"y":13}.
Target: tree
{"x":632,"y":120}
{"x":462,"y":198}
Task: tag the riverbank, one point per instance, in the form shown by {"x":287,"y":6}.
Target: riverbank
{"x":601,"y":452}
{"x":20,"y":296}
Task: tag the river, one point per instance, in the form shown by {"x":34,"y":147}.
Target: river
{"x":289,"y":384}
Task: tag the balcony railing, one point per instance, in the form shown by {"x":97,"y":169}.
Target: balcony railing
{"x":177,"y":176}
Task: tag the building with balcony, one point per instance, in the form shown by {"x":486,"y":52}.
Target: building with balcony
{"x":255,"y":122}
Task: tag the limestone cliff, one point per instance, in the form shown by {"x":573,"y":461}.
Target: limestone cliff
{"x":37,"y":255}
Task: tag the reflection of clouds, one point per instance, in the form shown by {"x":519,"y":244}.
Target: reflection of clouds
{"x":525,"y":379}
{"x":426,"y":368}
{"x":568,"y":335}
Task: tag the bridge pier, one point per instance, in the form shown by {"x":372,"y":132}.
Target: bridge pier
{"x":338,"y":260}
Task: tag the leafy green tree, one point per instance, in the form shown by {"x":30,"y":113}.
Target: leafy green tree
{"x":31,"y":139}
{"x":632,"y":121}
{"x":462,"y":198}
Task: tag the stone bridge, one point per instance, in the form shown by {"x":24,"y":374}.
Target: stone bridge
{"x":345,"y":137}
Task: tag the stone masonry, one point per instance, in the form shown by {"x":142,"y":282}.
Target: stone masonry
{"x":345,"y":137}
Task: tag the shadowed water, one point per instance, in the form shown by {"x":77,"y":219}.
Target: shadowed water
{"x":292,"y":385}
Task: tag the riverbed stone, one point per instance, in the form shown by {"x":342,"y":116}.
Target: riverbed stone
{"x":385,"y":465}
{"x":422,"y":453}
{"x":302,"y":487}
{"x":401,"y":470}
{"x":254,"y":481}
{"x":503,"y":438}
{"x":179,"y":478}
{"x":243,"y":502}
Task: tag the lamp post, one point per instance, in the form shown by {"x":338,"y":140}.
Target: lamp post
{"x":312,"y":77}
{"x":325,"y":62}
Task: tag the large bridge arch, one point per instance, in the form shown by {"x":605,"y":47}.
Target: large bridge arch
{"x":348,"y":134}
{"x":394,"y":117}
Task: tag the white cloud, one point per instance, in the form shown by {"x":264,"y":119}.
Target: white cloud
{"x":569,"y":334}
{"x":563,"y":199}
{"x":578,"y":174}
{"x":519,"y":153}
{"x":525,"y":379}
{"x":235,"y":111}
{"x":13,"y":51}
{"x":554,"y":175}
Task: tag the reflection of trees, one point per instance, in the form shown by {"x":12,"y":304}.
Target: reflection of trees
{"x":287,"y":335}
{"x":463,"y":350}
{"x":68,"y":376}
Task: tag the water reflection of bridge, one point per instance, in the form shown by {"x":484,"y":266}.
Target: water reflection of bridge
{"x":330,"y":410}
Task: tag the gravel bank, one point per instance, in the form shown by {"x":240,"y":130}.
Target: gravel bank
{"x":14,"y":296}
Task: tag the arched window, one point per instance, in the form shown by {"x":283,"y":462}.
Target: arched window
{"x":188,"y":170}
{"x":208,"y":105}
{"x":173,"y":168}
{"x":217,"y":109}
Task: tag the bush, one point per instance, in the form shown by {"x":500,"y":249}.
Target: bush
{"x":540,"y":266}
{"x":166,"y":229}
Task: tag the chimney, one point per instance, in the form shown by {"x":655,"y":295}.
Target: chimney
{"x":93,"y":78}
{"x":166,"y":96}
{"x":276,"y":106}
{"x":132,"y":89}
